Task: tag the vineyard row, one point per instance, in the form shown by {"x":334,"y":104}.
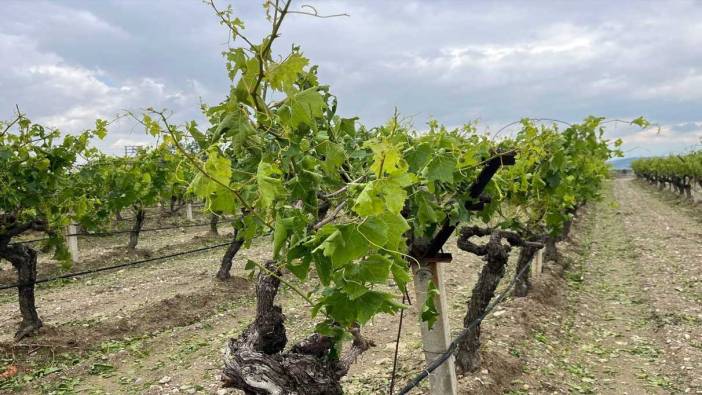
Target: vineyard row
{"x":349,"y":208}
{"x":681,"y":174}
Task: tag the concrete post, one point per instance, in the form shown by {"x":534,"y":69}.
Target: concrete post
{"x":537,"y":263}
{"x":72,"y":240}
{"x":436,"y":341}
{"x":189,"y":211}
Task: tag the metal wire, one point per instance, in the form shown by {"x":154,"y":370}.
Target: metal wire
{"x":112,"y":233}
{"x":120,"y":265}
{"x":397,"y":347}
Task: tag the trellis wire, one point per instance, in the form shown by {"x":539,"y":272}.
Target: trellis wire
{"x":112,"y":233}
{"x":120,"y":265}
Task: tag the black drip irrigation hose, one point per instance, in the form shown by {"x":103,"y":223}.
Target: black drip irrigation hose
{"x":118,"y":232}
{"x":106,"y":268}
{"x":194,"y":205}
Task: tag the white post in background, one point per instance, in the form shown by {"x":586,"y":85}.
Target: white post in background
{"x":537,"y":263}
{"x":189,"y":211}
{"x":73,"y":242}
{"x":696,"y":193}
{"x":436,"y":341}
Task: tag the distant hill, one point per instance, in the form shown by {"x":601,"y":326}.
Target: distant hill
{"x":622,"y":163}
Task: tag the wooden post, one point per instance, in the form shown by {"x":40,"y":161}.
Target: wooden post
{"x":72,"y":239}
{"x":537,"y":263}
{"x":435,"y":341}
{"x":189,"y":211}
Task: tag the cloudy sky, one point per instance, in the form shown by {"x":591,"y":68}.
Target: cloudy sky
{"x":67,"y":62}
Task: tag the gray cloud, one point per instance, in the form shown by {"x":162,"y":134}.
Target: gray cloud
{"x":70,"y":62}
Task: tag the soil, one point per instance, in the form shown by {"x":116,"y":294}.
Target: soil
{"x":624,"y":317}
{"x":632,"y":323}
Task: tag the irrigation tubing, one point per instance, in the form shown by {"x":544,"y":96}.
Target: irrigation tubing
{"x":118,"y":266}
{"x":454,"y":344}
{"x":157,"y":215}
{"x":118,"y":232}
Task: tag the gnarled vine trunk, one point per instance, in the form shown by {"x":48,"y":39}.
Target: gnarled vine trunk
{"x":567,"y":226}
{"x":24,"y":260}
{"x":495,"y":255}
{"x":136,"y":228}
{"x":228,"y":258}
{"x":688,"y":191}
{"x":214,"y":220}
{"x":255,"y":361}
{"x":522,"y":283}
{"x":174,"y":200}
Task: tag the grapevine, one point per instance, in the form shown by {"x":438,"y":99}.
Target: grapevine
{"x":682,"y":172}
{"x":355,"y":206}
{"x":37,"y":194}
{"x":348,"y":208}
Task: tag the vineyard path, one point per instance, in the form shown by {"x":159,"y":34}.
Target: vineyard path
{"x":634,"y":320}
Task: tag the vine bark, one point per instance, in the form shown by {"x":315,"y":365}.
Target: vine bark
{"x":136,"y":228}
{"x":256,"y":363}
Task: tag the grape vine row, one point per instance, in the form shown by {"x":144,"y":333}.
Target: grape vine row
{"x":348,"y":207}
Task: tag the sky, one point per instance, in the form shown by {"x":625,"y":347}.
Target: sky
{"x":66,"y":63}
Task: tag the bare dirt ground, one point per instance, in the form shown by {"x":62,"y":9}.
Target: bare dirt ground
{"x":633,"y":319}
{"x":625,"y":317}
